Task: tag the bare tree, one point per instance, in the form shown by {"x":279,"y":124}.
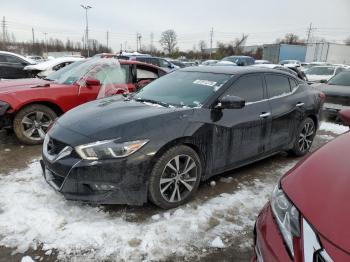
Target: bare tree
{"x":347,"y":41}
{"x":202,"y":46}
{"x":168,"y":40}
{"x":291,"y":38}
{"x":239,"y":43}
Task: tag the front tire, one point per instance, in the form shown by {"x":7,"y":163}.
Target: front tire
{"x":305,"y":136}
{"x":31,"y":123}
{"x":175,"y":177}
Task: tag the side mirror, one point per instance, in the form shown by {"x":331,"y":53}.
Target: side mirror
{"x":92,"y":82}
{"x":230,"y":102}
{"x":344,"y":115}
{"x":323,"y":81}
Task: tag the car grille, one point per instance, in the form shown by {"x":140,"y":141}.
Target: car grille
{"x":55,"y":146}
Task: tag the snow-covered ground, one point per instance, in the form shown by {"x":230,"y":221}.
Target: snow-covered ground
{"x":34,"y":216}
{"x":333,"y":128}
{"x":32,"y":213}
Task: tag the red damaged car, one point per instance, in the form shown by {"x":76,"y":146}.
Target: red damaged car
{"x":29,"y":106}
{"x":307,"y":218}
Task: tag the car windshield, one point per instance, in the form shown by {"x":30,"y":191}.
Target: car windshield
{"x":182,"y":89}
{"x":102,"y":69}
{"x":232,"y":59}
{"x":341,"y":79}
{"x":320,"y":70}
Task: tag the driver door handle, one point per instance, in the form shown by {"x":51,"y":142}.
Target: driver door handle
{"x":265,"y":114}
{"x":300,"y":104}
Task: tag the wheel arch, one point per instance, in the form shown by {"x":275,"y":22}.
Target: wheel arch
{"x":56,"y":108}
{"x":315,"y":119}
{"x":187,"y":141}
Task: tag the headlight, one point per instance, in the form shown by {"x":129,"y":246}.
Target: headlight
{"x":109,"y":149}
{"x":287,"y":217}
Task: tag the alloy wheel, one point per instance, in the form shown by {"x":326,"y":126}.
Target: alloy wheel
{"x":35,"y":125}
{"x":178,"y":178}
{"x":306,"y":137}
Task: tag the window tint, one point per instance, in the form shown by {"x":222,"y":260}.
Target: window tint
{"x":249,"y":88}
{"x":13,"y":59}
{"x":277,"y":85}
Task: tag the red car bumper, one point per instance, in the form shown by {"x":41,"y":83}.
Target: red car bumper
{"x":269,"y":245}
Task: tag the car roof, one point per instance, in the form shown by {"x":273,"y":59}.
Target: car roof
{"x":231,"y":70}
{"x":20,"y":56}
{"x":135,"y":62}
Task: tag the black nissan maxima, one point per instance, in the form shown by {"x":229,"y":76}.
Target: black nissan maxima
{"x":183,"y":128}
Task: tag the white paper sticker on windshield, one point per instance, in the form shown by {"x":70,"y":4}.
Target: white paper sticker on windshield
{"x":204,"y":82}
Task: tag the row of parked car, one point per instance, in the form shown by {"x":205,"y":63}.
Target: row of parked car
{"x":170,"y":131}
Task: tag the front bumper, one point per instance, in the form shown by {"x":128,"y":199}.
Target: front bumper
{"x":5,"y":120}
{"x":117,"y":181}
{"x":268,"y":241}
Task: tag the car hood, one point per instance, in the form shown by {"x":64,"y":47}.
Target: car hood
{"x":115,"y":117}
{"x":7,"y":86}
{"x":334,"y":90}
{"x":318,"y":78}
{"x":319,"y":188}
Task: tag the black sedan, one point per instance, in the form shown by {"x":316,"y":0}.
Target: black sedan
{"x":183,"y":128}
{"x":12,"y":65}
{"x":337,"y":91}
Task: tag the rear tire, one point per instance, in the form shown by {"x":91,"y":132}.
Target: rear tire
{"x":304,"y":138}
{"x":175,"y":177}
{"x":31,"y":123}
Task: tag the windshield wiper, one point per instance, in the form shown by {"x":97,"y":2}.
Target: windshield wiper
{"x":152,"y":101}
{"x":48,"y":79}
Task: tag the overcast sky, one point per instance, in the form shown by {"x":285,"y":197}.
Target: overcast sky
{"x":263,"y":21}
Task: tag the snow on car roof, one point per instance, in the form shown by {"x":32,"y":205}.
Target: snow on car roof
{"x":30,"y":61}
{"x":51,"y":63}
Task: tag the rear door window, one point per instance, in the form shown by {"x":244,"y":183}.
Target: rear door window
{"x":13,"y":59}
{"x":250,"y":88}
{"x":277,"y":85}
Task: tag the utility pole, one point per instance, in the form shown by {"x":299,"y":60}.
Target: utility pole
{"x":87,"y":7}
{"x":152,"y":39}
{"x":137,"y":41}
{"x":125,"y":45}
{"x":107,"y":38}
{"x":33,"y":38}
{"x":3,"y":24}
{"x":309,"y":33}
{"x":140,"y":36}
{"x":211,"y":41}
{"x":45,"y":43}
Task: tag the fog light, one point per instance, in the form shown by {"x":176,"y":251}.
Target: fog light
{"x":103,"y":187}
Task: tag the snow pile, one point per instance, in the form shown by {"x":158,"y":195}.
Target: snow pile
{"x":217,"y":243}
{"x":32,"y":213}
{"x":27,"y":259}
{"x":333,"y":128}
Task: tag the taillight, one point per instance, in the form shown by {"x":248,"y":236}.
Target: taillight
{"x":322,"y":96}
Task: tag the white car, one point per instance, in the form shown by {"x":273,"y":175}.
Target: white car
{"x":319,"y":74}
{"x":291,"y":63}
{"x":259,"y":62}
{"x":209,"y":62}
{"x":43,"y":69}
